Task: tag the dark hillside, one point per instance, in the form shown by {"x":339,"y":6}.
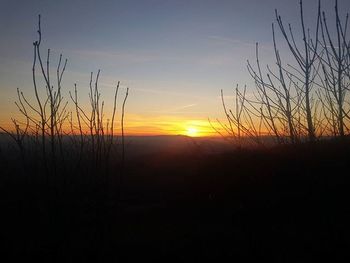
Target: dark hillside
{"x":279,"y":204}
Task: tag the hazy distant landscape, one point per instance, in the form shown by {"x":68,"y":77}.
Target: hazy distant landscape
{"x":186,"y":203}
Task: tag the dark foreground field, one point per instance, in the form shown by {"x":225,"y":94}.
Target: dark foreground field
{"x":285,"y":204}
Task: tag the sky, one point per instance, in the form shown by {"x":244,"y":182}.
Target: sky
{"x":175,"y":56}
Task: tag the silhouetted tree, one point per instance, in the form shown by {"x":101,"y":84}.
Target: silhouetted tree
{"x":293,"y":102}
{"x":45,"y":121}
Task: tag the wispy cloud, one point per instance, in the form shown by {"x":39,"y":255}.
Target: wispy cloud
{"x":147,"y":56}
{"x":169,"y":93}
{"x":178,"y":110}
{"x":125,"y":56}
{"x":231,"y":40}
{"x":248,"y":95}
{"x":238,"y":42}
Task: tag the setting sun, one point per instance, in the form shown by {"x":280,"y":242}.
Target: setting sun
{"x":192,"y":132}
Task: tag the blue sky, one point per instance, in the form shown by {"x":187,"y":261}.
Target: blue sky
{"x":175,"y":56}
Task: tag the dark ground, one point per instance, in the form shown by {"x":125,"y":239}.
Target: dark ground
{"x":285,"y":204}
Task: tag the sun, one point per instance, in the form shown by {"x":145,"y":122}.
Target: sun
{"x":192,"y":132}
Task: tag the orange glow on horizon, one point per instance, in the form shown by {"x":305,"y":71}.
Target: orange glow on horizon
{"x":138,"y":125}
{"x":167,"y":125}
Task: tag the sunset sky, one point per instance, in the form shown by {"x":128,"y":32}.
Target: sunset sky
{"x":175,"y":56}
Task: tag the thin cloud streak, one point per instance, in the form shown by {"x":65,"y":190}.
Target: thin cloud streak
{"x":227,"y":40}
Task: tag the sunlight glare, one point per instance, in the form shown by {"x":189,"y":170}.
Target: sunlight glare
{"x":192,"y":131}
